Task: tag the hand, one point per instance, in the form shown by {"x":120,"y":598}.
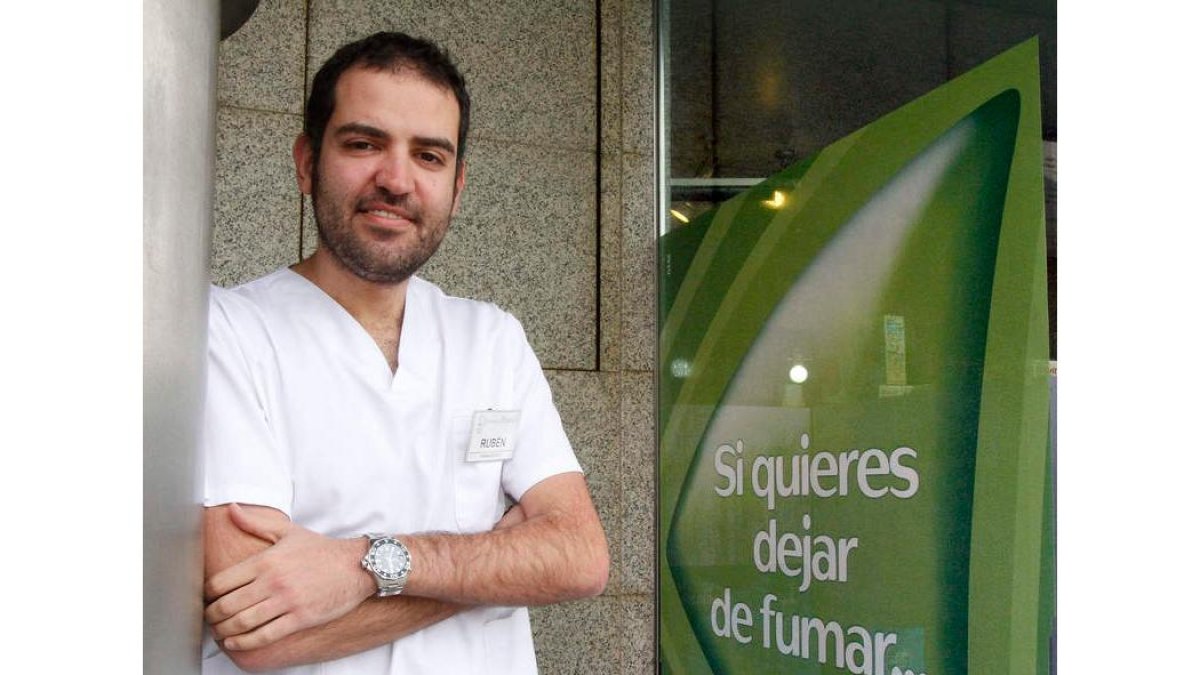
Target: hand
{"x":304,"y":579}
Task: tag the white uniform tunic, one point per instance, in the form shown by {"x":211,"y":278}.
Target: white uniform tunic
{"x":303,"y":414}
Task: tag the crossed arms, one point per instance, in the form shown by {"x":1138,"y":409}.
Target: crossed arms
{"x":281,"y":595}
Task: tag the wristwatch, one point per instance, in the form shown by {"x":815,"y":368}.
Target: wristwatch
{"x":388,"y":561}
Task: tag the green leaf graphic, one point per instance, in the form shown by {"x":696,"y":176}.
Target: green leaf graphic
{"x":863,"y":512}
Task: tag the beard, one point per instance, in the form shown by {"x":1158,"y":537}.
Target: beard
{"x":382,"y":262}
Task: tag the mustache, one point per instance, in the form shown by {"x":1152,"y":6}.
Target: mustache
{"x":383,"y":197}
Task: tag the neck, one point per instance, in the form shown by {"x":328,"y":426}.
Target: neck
{"x":378,"y":307}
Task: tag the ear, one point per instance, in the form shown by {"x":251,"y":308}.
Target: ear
{"x":302,"y":155}
{"x":460,"y":182}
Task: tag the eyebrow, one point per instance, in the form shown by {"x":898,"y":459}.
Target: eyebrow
{"x":437,"y":142}
{"x":360,"y":128}
{"x":375,"y":132}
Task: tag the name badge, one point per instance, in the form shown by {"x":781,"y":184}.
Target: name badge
{"x":493,"y":435}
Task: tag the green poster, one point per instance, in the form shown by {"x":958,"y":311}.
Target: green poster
{"x":854,"y":403}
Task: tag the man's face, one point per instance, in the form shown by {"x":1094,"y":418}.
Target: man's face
{"x":386,"y":185}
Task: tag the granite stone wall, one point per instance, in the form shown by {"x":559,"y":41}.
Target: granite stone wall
{"x":559,"y":206}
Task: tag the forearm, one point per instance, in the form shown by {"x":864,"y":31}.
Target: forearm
{"x":377,"y":621}
{"x":373,"y":622}
{"x":556,"y":553}
{"x":306,"y":591}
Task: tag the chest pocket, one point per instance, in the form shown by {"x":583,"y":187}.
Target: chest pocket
{"x":478,"y":495}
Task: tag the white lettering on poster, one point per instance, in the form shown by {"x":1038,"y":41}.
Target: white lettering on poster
{"x":809,"y":556}
{"x":873,"y":473}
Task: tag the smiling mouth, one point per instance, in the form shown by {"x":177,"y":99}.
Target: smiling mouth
{"x":386,"y":206}
{"x":389,"y":215}
{"x":390,"y":218}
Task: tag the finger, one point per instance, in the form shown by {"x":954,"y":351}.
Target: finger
{"x":270,"y":529}
{"x":248,"y":619}
{"x":234,"y":602}
{"x":230,"y":578}
{"x":271,"y":632}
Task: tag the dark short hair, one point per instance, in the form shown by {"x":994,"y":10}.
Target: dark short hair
{"x":385,"y":51}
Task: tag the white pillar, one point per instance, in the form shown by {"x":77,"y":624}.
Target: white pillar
{"x":178,"y":115}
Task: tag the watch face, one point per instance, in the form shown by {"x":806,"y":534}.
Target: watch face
{"x":388,"y":559}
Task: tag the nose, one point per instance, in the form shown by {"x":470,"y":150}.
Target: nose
{"x":395,"y":174}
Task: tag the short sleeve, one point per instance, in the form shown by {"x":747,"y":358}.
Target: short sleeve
{"x":243,"y":460}
{"x":542,"y":447}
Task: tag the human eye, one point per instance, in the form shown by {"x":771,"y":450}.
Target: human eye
{"x":431,"y":157}
{"x":359,"y":145}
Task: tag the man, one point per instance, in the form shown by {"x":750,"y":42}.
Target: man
{"x":363,"y":429}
